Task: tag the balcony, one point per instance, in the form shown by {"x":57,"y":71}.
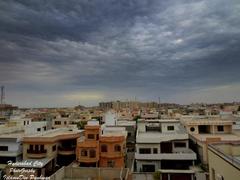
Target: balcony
{"x":36,"y":153}
{"x":66,"y":150}
{"x":112,"y":154}
{"x":87,"y":159}
{"x":189,"y":155}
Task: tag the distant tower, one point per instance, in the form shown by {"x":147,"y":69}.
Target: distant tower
{"x":2,"y":94}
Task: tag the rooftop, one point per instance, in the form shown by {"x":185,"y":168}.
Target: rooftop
{"x":233,"y":157}
{"x":56,"y":132}
{"x":13,"y":135}
{"x":157,"y":137}
{"x":54,"y":135}
{"x":223,"y":137}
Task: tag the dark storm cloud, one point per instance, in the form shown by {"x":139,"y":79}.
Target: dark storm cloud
{"x":119,"y":48}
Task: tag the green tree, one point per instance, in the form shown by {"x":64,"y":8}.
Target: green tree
{"x":136,"y":118}
{"x":81,"y":124}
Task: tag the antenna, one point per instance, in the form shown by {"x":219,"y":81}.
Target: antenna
{"x":2,"y":94}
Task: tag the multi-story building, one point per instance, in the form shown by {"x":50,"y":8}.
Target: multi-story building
{"x":224,"y":161}
{"x":130,"y":127}
{"x":10,"y":147}
{"x":204,"y":131}
{"x":102,"y":147}
{"x":163,"y":145}
{"x":54,"y":147}
{"x":88,"y":145}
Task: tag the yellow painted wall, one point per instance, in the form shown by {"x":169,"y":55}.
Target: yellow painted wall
{"x":222,"y":167}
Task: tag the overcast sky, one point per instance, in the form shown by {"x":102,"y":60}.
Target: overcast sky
{"x":61,"y":53}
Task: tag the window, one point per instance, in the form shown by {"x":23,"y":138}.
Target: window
{"x":24,"y":123}
{"x":220,"y":128}
{"x":192,"y":129}
{"x":170,"y":128}
{"x":117,"y":148}
{"x":91,"y":136}
{"x":3,"y":148}
{"x":92,"y":153}
{"x":179,"y":144}
{"x":129,"y":134}
{"x":31,"y":147}
{"x":144,"y":151}
{"x":36,"y":148}
{"x":44,"y":128}
{"x":104,"y":148}
{"x":65,"y":122}
{"x":84,"y":152}
{"x":97,"y":137}
{"x":57,"y":122}
{"x":155,"y":150}
{"x":38,"y":129}
{"x":111,"y":163}
{"x":42,"y":147}
{"x":54,"y":148}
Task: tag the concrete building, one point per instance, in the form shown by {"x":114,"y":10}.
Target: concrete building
{"x":102,"y":147}
{"x":10,"y":147}
{"x":204,"y":131}
{"x":163,"y":145}
{"x":224,"y":161}
{"x":54,"y":147}
{"x":130,"y":127}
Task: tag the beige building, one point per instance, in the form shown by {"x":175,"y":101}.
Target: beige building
{"x":204,"y":131}
{"x":56,"y":146}
{"x":224,"y":161}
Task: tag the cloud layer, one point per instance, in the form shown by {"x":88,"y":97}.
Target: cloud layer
{"x":54,"y":53}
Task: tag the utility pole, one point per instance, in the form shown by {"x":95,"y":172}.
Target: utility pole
{"x":2,"y":95}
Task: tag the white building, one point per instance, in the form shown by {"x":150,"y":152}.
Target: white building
{"x":10,"y":147}
{"x":163,"y":145}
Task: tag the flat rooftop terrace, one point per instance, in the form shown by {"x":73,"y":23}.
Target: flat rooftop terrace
{"x":157,"y":137}
{"x":56,"y":132}
{"x":223,"y":137}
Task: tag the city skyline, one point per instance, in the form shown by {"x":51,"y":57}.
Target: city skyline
{"x":62,"y":53}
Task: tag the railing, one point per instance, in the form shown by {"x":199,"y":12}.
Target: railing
{"x":229,"y":158}
{"x":60,"y":148}
{"x":66,"y":150}
{"x":166,"y":156}
{"x":30,"y":151}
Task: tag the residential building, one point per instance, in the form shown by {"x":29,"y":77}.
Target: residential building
{"x":102,"y":146}
{"x":10,"y":146}
{"x":163,"y":145}
{"x":88,"y":146}
{"x":130,"y":127}
{"x":204,"y":131}
{"x":224,"y":161}
{"x":54,"y":147}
